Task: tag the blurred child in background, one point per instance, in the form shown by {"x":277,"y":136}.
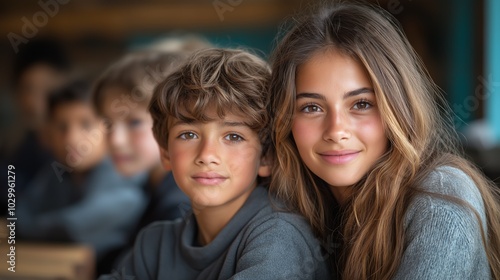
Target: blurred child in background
{"x":78,"y":197}
{"x":39,"y":67}
{"x":121,"y":96}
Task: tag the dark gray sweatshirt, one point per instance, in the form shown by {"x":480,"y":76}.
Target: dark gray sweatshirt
{"x":259,"y":242}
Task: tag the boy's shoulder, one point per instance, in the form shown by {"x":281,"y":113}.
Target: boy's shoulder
{"x":276,"y":217}
{"x":272,"y":222}
{"x":159,"y":230}
{"x":257,"y":238}
{"x":262,"y":215}
{"x":261,"y":212}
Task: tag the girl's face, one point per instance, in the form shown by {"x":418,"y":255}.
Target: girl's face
{"x":337,"y":125}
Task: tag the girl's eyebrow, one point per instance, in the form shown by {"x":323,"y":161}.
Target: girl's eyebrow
{"x":310,"y":95}
{"x":358,"y":92}
{"x":346,"y":95}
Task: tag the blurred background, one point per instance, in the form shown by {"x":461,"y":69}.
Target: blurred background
{"x":458,"y":40}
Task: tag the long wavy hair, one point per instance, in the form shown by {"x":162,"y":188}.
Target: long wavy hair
{"x":420,"y":134}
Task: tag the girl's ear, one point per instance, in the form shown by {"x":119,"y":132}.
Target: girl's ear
{"x":265,"y":166}
{"x":165,"y":159}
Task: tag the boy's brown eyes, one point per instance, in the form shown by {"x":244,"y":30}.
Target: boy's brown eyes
{"x":187,"y":136}
{"x":233,"y":137}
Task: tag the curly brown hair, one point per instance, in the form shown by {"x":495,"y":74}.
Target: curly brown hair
{"x":226,"y":80}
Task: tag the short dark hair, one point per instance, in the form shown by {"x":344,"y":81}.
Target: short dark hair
{"x":47,"y":51}
{"x":74,"y":91}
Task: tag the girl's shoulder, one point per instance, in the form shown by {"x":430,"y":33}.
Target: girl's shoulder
{"x":454,"y":183}
{"x":447,"y":192}
{"x":442,"y":232}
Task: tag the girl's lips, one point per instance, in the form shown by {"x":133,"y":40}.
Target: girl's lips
{"x":339,"y":157}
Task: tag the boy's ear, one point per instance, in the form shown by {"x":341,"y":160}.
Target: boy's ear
{"x":265,"y":166}
{"x":165,"y":159}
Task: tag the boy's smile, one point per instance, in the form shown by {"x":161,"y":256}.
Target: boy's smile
{"x":216,"y":163}
{"x":209,"y":178}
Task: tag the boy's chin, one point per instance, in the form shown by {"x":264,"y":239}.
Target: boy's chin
{"x":84,"y":167}
{"x":80,"y":164}
{"x":127,"y":171}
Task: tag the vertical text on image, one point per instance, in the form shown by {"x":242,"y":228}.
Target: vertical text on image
{"x":11,"y":218}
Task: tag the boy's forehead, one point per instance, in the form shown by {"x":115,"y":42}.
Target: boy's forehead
{"x":228,"y":119}
{"x":117,"y":101}
{"x":72,"y":110}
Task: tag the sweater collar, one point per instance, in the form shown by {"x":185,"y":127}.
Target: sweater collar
{"x":199,"y":257}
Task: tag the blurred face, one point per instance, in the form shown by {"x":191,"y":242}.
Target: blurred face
{"x":337,"y":125}
{"x":77,"y":136}
{"x":215,"y":163}
{"x":34,"y":86}
{"x":130,"y":137}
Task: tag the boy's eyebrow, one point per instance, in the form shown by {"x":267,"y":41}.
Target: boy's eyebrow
{"x":234,"y":124}
{"x":346,"y":95}
{"x":225,"y":123}
{"x":179,"y":122}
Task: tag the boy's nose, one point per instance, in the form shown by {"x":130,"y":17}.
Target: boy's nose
{"x":117,"y":136}
{"x":73,"y":136}
{"x":208,"y":152}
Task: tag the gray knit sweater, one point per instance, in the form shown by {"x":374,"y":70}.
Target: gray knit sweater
{"x":259,"y":242}
{"x":443,"y":239}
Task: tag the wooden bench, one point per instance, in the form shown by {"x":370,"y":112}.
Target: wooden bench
{"x":47,"y":261}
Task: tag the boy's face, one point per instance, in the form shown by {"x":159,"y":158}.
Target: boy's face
{"x":34,"y":86}
{"x":215,"y":163}
{"x":132,"y":145}
{"x":76,"y":135}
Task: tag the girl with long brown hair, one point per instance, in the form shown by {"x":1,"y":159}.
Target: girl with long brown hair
{"x":368,"y":157}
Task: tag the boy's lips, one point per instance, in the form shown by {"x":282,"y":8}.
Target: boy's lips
{"x":73,"y":154}
{"x":209,"y":178}
{"x":339,"y":156}
{"x":121,"y":158}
